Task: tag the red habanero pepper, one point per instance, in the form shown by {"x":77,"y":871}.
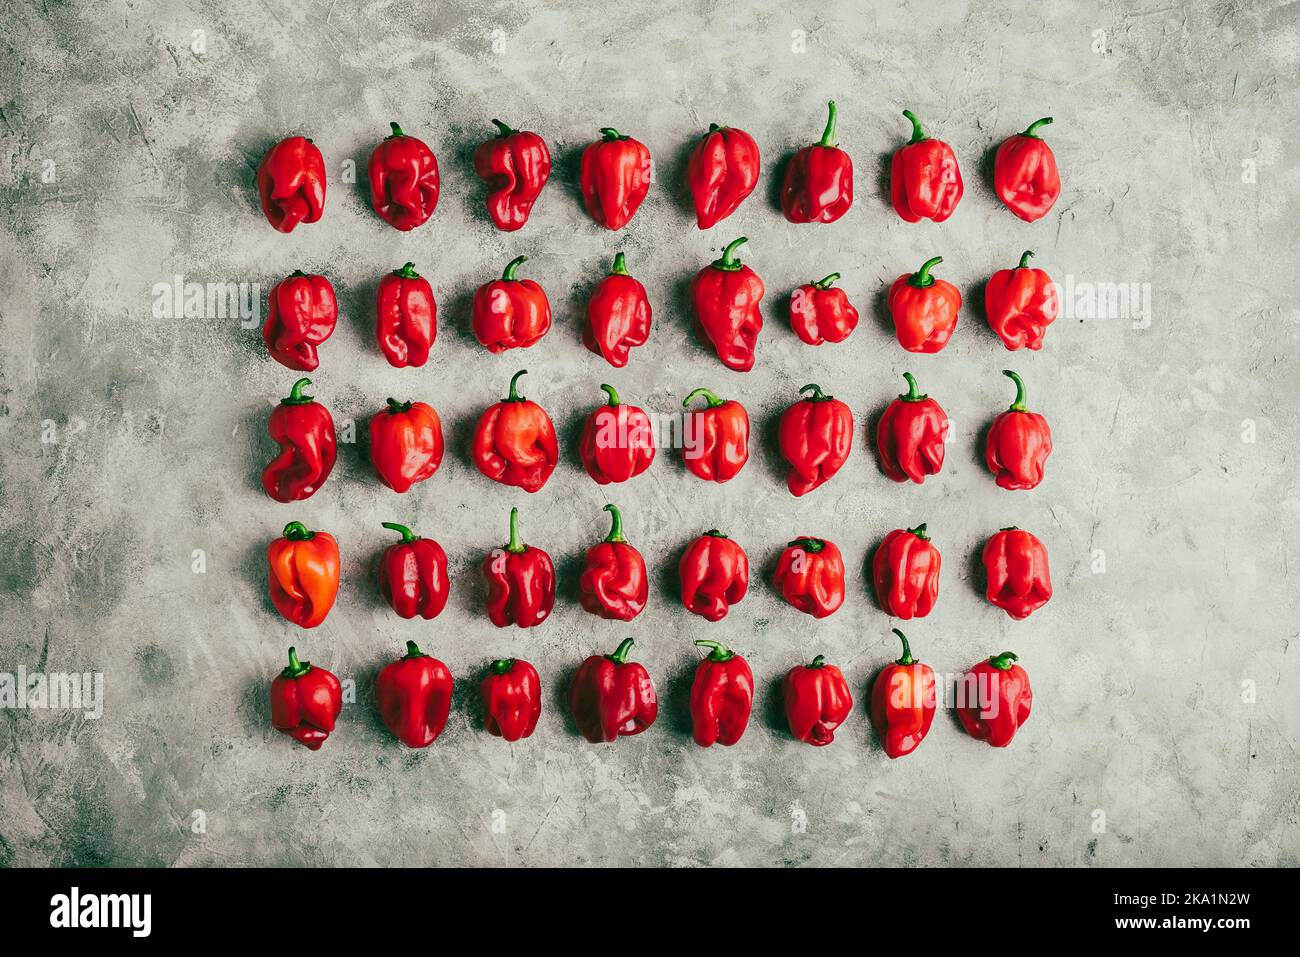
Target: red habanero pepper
{"x":1019,"y":580}
{"x":291,"y":183}
{"x":910,"y":436}
{"x":816,"y":435}
{"x":414,"y":694}
{"x":721,"y":172}
{"x":817,"y":700}
{"x":1020,"y":304}
{"x":405,"y":443}
{"x":301,"y":313}
{"x":521,"y":582}
{"x":924,"y":309}
{"x":304,"y":430}
{"x":408,"y":317}
{"x":925,"y":180}
{"x":514,"y":441}
{"x":722,"y":696}
{"x":618,"y":315}
{"x":512,"y":698}
{"x":715,"y":575}
{"x":611,"y":696}
{"x":614,"y":583}
{"x":1002,"y":699}
{"x":902,"y":703}
{"x":1018,"y":443}
{"x":725,"y":296}
{"x":305,"y":702}
{"x":618,"y":441}
{"x":905,"y":572}
{"x":510,"y":313}
{"x":818,"y":185}
{"x":715,"y":439}
{"x":515,"y":165}
{"x":403,"y":180}
{"x":615,"y":178}
{"x":413,"y":575}
{"x":1025,"y":175}
{"x":304,"y":574}
{"x":820,"y":313}
{"x":810,"y":576}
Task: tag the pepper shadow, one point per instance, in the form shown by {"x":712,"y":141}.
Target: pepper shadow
{"x":566,"y":169}
{"x":254,"y":569}
{"x":885,"y":179}
{"x":977,"y":448}
{"x":975,"y":578}
{"x":677,"y":700}
{"x":667,"y":579}
{"x":570,"y":431}
{"x":359,"y":301}
{"x":559,"y":695}
{"x":770,"y":436}
{"x":680,"y":193}
{"x":680,"y":298}
{"x":776,"y":184}
{"x":879,"y":311}
{"x":461,"y":143}
{"x":456,"y":318}
{"x":568,"y":570}
{"x":773,"y":708}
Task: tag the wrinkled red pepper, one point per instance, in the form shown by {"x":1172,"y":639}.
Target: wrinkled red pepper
{"x":414,"y":694}
{"x":1020,"y":304}
{"x":715,"y":439}
{"x":614,"y":583}
{"x":715,"y":575}
{"x":618,"y":315}
{"x":521,"y":582}
{"x":515,"y":165}
{"x":615,"y":178}
{"x":925,"y":180}
{"x":1018,"y":443}
{"x":1019,"y":581}
{"x":413,"y":575}
{"x":725,"y":296}
{"x":514,"y":441}
{"x":816,"y":436}
{"x":722,"y":696}
{"x":905,"y":571}
{"x":818,"y":185}
{"x":510,"y":313}
{"x":902,"y":703}
{"x":618,"y":441}
{"x":817,"y":700}
{"x":305,"y":702}
{"x":821,"y":313}
{"x":301,"y":313}
{"x":405,"y":443}
{"x":997,"y":700}
{"x":910,"y":436}
{"x":721,"y":172}
{"x":1025,"y":175}
{"x":304,"y":574}
{"x":810,"y":576}
{"x":512,"y":698}
{"x":924,"y":309}
{"x":611,"y":696}
{"x":291,"y":183}
{"x":408,"y":317}
{"x":403,"y":180}
{"x":304,"y":430}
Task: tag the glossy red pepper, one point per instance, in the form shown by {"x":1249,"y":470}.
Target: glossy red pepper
{"x":995,"y":699}
{"x":291,"y":183}
{"x":614,"y":583}
{"x":714,"y":572}
{"x":618,"y":441}
{"x":407,"y":317}
{"x":413,"y":575}
{"x":1025,"y":175}
{"x":405,"y":443}
{"x":512,"y":698}
{"x":1020,"y":304}
{"x":905,"y":572}
{"x":725,"y":297}
{"x":1015,"y":565}
{"x":618,"y":315}
{"x":715,"y":439}
{"x":615,"y":178}
{"x":304,"y":574}
{"x":910,"y":436}
{"x":818,"y":186}
{"x":925,"y":180}
{"x":305,"y":702}
{"x":611,"y":696}
{"x":404,"y":180}
{"x":819,"y":312}
{"x":817,"y":700}
{"x":510,"y":313}
{"x":304,"y":430}
{"x":810,"y":576}
{"x":515,"y":165}
{"x":1018,"y":443}
{"x":301,"y":313}
{"x":721,"y":172}
{"x":722,"y":696}
{"x":521,"y":582}
{"x":924,"y":309}
{"x":414,"y":695}
{"x":902,"y":703}
{"x":816,"y":436}
{"x":514,"y":441}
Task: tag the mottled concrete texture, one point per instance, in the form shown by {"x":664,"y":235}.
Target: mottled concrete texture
{"x":1165,"y":722}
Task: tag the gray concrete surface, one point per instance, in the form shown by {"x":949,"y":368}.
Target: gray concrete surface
{"x":1165,"y":724}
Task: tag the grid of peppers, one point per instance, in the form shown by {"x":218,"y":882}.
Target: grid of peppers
{"x":515,"y":441}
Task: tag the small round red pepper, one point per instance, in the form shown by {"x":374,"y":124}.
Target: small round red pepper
{"x":818,"y":186}
{"x":903,"y":700}
{"x":614,"y":583}
{"x":819,"y":312}
{"x":407,"y":317}
{"x":714,"y":572}
{"x":291,"y":183}
{"x":910,"y":436}
{"x":405,"y":443}
{"x":715,"y":439}
{"x":611,"y":696}
{"x":404,"y":180}
{"x":925,"y":180}
{"x":924,"y":309}
{"x":521,"y":582}
{"x":721,"y":172}
{"x":304,"y":430}
{"x":512,"y":698}
{"x":725,"y":297}
{"x":618,"y":315}
{"x":304,"y":574}
{"x":722,"y":696}
{"x":413,"y":575}
{"x":615,"y":178}
{"x":995,"y":699}
{"x":817,"y":700}
{"x":1025,"y":175}
{"x":816,"y":436}
{"x":810,"y":576}
{"x":1019,"y":580}
{"x":301,"y":313}
{"x":514,"y":441}
{"x":414,"y":695}
{"x":515,"y":165}
{"x":905,"y":572}
{"x":1018,"y":443}
{"x":510,"y":313}
{"x":618,"y":441}
{"x":1020,"y":304}
{"x":305,"y":702}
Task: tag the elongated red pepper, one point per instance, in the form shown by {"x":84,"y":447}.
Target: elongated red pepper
{"x":614,"y":583}
{"x":407,"y":317}
{"x":291,"y":183}
{"x":611,"y":696}
{"x":413,"y":575}
{"x":515,"y":164}
{"x":902,"y":703}
{"x":404,"y":181}
{"x":1020,"y":304}
{"x":816,"y":436}
{"x":405,"y":443}
{"x":304,"y":430}
{"x":725,"y":296}
{"x":818,"y":185}
{"x":995,"y":699}
{"x":514,"y":441}
{"x":821,"y":313}
{"x":510,"y":313}
{"x":714,"y":571}
{"x":301,"y":313}
{"x":1025,"y":175}
{"x":722,"y":696}
{"x":615,"y":178}
{"x":618,"y":315}
{"x":817,"y":700}
{"x":925,"y":180}
{"x":910,"y":436}
{"x":521,"y":582}
{"x":1018,"y":443}
{"x":304,"y":574}
{"x":721,"y":172}
{"x":924,"y":309}
{"x":512,"y":698}
{"x":905,"y":572}
{"x":414,"y":694}
{"x":305,"y":702}
{"x":618,"y":441}
{"x":1019,"y":580}
{"x":810,"y":576}
{"x":715,"y":439}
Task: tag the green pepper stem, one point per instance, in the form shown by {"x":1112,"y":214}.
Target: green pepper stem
{"x":918,"y":134}
{"x":298,"y":532}
{"x":827,"y":282}
{"x":817,"y":394}
{"x":296,"y":668}
{"x":718,"y":651}
{"x":922,"y":278}
{"x":828,"y":135}
{"x":513,"y":395}
{"x":295,"y":396}
{"x":714,"y":533}
{"x":407,"y":272}
{"x":715,"y":128}
{"x":501,"y":666}
{"x":413,"y":651}
{"x":709,"y":397}
{"x":729,"y":262}
{"x":818,"y":662}
{"x":619,"y":657}
{"x":515,"y":545}
{"x":511,"y":267}
{"x":1003,"y":661}
{"x":612,"y":393}
{"x":1019,"y":404}
{"x":813,"y":545}
{"x":1033,"y":127}
{"x":919,"y":532}
{"x":609,"y":134}
{"x":907,"y":658}
{"x":397,"y":131}
{"x":913,"y":394}
{"x":407,"y":535}
{"x":397,"y":408}
{"x":620,"y":265}
{"x":503,"y":128}
{"x":1024,"y":259}
{"x":615,"y":525}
